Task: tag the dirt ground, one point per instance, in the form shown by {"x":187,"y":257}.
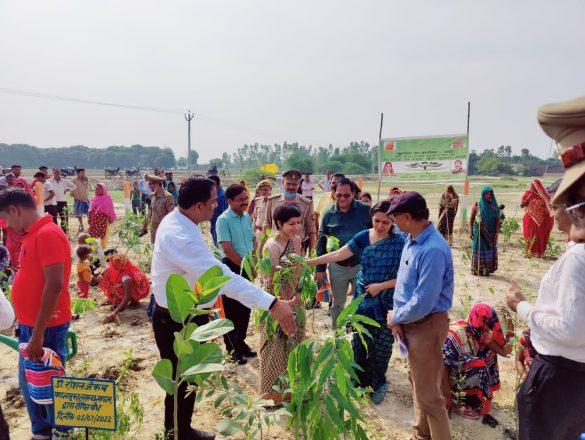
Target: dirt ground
{"x":104,"y":348}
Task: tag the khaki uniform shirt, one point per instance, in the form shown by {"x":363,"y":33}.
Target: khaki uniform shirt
{"x":161,"y":206}
{"x":259,"y":214}
{"x":304,"y":204}
{"x":81,"y":191}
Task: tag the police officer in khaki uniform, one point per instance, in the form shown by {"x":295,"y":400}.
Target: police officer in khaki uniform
{"x":263,"y":190}
{"x":290,"y":182}
{"x":162,"y":203}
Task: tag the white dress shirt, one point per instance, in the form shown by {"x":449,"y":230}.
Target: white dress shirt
{"x":47,"y":188}
{"x":60,"y":187}
{"x":180,"y":248}
{"x":557,"y":321}
{"x":6,"y":312}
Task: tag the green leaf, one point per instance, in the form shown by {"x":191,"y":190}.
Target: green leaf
{"x":366,"y":320}
{"x":211,"y":288}
{"x":227,"y":427}
{"x":182,"y":347}
{"x":248,"y":267}
{"x":163,"y":374}
{"x":340,"y":378}
{"x":81,"y":305}
{"x":266,"y":265}
{"x":332,"y":243}
{"x":201,"y":354}
{"x":212,"y":330}
{"x":197,"y":312}
{"x":209,"y":274}
{"x":203,"y":368}
{"x":179,"y":298}
{"x":349,"y":310}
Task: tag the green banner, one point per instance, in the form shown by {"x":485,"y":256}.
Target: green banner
{"x":424,"y":158}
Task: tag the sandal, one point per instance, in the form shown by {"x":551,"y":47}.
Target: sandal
{"x":466,"y":413}
{"x":488,"y":419}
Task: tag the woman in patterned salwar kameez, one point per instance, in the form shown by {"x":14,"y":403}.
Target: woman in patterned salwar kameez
{"x":379,"y":249}
{"x":275,"y":346}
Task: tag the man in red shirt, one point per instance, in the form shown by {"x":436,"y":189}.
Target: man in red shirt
{"x":40,"y":294}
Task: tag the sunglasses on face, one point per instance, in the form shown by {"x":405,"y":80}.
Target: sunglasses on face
{"x":343,"y":196}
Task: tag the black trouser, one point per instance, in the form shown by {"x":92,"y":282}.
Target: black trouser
{"x":145,"y":202}
{"x":137,"y":206}
{"x":239,"y":314}
{"x":4,"y":435}
{"x":53,"y":210}
{"x":164,"y":328}
{"x":63,"y":215}
{"x":551,"y":401}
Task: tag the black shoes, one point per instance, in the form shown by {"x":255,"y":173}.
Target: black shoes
{"x":238,"y":358}
{"x":193,"y":434}
{"x":248,"y":352}
{"x":202,"y":435}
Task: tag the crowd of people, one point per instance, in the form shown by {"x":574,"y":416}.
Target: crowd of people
{"x":389,"y":253}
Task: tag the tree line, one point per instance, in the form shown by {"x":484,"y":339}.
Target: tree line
{"x":81,"y":156}
{"x":354,"y":158}
{"x":501,"y":161}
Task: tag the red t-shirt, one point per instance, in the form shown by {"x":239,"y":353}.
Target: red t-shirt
{"x":44,"y":244}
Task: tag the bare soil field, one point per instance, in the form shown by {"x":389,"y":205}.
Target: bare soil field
{"x":126,"y":351}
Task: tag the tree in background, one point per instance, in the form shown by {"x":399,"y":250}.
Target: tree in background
{"x":193,"y":158}
{"x":182,"y":162}
{"x":81,"y":156}
{"x":300,"y":161}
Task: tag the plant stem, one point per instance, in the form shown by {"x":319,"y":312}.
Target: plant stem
{"x":176,"y":406}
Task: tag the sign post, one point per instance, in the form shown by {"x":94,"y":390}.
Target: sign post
{"x":424,"y":158}
{"x":85,"y":403}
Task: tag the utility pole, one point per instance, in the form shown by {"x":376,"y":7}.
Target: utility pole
{"x":188,"y":117}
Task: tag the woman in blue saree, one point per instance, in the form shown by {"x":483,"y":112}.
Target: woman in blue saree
{"x":379,"y":249}
{"x":485,"y":225}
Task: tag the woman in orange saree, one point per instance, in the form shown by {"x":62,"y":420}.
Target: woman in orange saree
{"x":123,"y":283}
{"x":538,"y":221}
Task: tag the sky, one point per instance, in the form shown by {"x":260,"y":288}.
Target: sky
{"x":312,"y":71}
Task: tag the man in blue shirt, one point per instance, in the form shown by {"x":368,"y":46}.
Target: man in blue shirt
{"x":343,"y":220}
{"x":145,"y":194}
{"x":235,"y":234}
{"x":221,"y":207}
{"x":423,"y":295}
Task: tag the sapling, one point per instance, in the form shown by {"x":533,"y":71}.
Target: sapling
{"x":197,"y":357}
{"x":324,"y":398}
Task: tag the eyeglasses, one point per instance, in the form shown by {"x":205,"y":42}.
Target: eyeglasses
{"x":576,"y":212}
{"x":343,"y":196}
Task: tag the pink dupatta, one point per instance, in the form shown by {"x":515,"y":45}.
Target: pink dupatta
{"x":103,"y":203}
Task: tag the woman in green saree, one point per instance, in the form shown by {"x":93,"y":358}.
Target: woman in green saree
{"x":485,"y":224}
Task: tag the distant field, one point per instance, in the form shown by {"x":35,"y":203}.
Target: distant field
{"x":508,"y":189}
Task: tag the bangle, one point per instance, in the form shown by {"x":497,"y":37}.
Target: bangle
{"x":273,"y":303}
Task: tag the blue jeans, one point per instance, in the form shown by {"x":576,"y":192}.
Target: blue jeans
{"x":41,"y":416}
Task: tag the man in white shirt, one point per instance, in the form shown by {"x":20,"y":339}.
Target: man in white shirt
{"x":145,"y":193}
{"x":307,"y":186}
{"x":551,"y":401}
{"x":61,"y":186}
{"x":180,"y":248}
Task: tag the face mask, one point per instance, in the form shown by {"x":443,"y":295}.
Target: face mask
{"x":289,"y":195}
